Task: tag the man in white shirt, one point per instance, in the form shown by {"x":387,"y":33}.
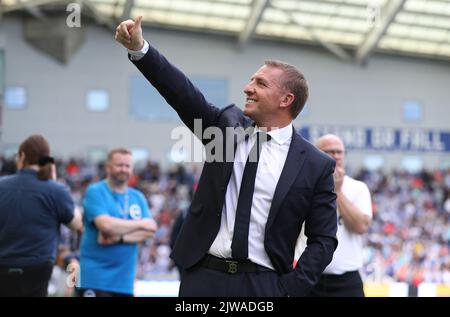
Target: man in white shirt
{"x":238,"y":238}
{"x":341,"y":277}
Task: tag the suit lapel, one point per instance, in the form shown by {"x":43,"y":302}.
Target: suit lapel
{"x":228,"y":166}
{"x":292,"y":166}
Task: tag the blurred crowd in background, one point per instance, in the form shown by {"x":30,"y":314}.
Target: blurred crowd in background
{"x":409,"y":238}
{"x":408,"y":241}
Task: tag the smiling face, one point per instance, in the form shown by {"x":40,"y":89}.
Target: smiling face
{"x":264,"y":95}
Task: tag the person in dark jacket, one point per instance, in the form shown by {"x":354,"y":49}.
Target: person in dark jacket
{"x":32,"y":207}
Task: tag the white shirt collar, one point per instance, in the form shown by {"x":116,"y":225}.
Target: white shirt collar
{"x":280,"y":135}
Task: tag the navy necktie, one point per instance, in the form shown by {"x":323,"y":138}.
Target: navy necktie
{"x":239,"y":244}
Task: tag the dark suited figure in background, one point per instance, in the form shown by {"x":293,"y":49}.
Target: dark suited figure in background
{"x":239,"y":235}
{"x":32,"y":206}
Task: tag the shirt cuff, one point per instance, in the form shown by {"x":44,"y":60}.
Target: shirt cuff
{"x":137,"y":55}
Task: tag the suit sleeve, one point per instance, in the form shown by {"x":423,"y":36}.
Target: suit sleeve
{"x":176,"y":88}
{"x":320,"y":229}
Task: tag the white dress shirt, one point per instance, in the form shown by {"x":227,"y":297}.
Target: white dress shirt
{"x":271,"y":163}
{"x":349,"y":254}
{"x":137,"y":55}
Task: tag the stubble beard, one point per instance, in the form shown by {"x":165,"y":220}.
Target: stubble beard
{"x":119,"y":181}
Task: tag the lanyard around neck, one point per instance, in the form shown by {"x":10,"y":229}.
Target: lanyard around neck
{"x":122,"y":210}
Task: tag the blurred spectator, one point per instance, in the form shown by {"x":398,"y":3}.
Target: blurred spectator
{"x":341,"y":278}
{"x":409,"y":237}
{"x":32,"y":207}
{"x":116,"y":219}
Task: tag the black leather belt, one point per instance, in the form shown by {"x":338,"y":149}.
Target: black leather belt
{"x":231,"y":266}
{"x":23,"y":270}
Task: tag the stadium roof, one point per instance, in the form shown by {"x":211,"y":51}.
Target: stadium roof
{"x":350,"y":29}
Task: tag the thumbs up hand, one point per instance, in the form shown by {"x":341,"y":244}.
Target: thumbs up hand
{"x":129,"y":34}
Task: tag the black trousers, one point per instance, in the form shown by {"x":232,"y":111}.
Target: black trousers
{"x":348,"y":284}
{"x":25,"y":281}
{"x":205,"y":282}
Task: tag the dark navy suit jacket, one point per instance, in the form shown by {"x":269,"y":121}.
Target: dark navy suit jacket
{"x":304,"y":191}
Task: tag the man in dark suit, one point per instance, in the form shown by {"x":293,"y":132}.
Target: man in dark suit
{"x":239,"y":236}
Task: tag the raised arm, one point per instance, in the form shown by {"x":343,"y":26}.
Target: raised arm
{"x":171,"y":83}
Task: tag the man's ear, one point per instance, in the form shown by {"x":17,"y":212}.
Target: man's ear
{"x":287,"y":100}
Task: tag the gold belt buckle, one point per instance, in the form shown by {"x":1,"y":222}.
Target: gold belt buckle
{"x":232,"y":266}
{"x":15,"y":271}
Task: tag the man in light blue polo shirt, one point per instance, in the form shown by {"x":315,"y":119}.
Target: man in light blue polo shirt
{"x":116,"y":219}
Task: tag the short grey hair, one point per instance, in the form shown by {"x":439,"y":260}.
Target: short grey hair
{"x":294,"y":82}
